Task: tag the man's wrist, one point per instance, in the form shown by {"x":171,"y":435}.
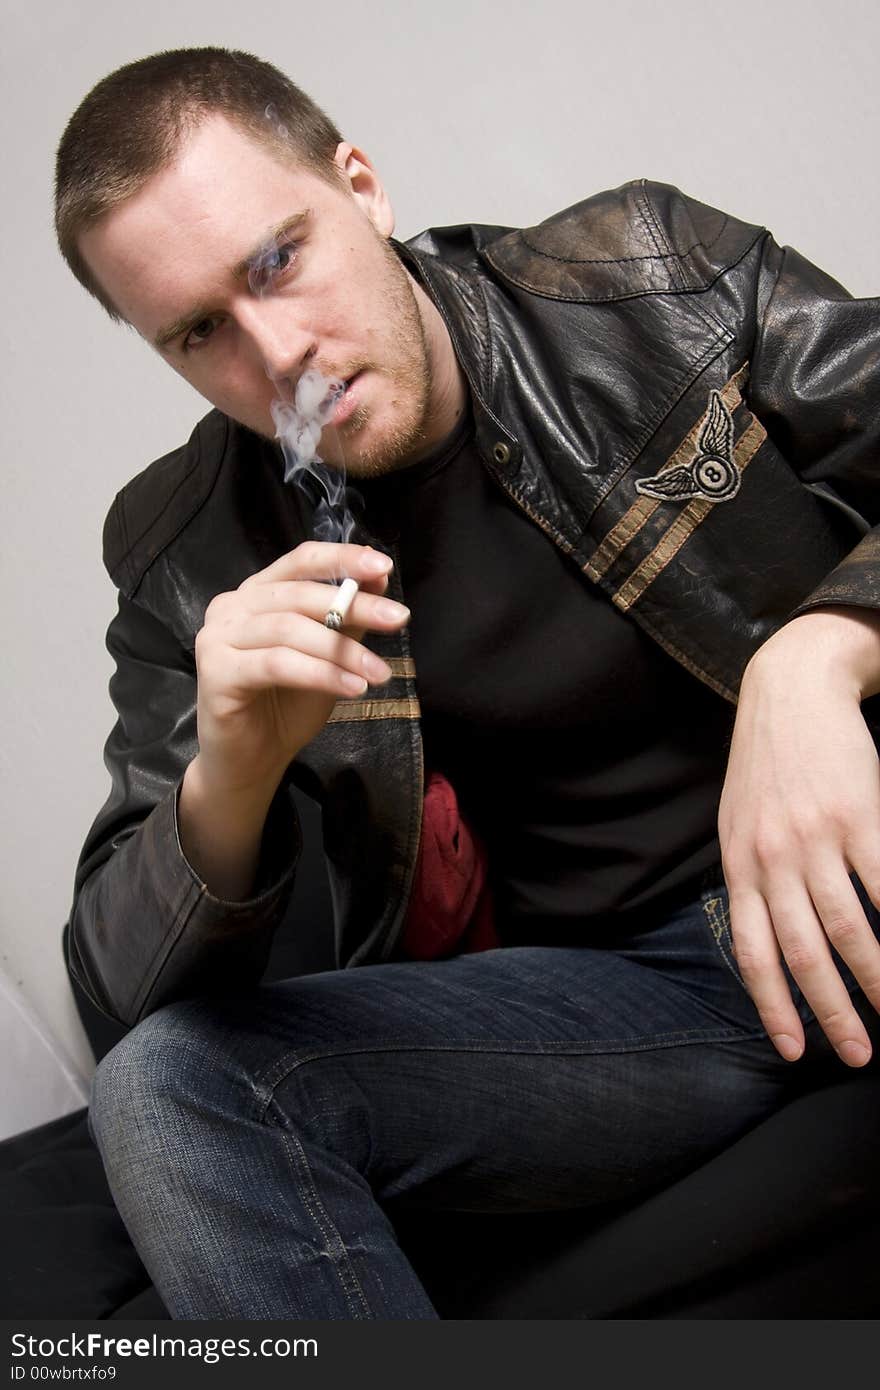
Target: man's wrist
{"x":249,"y":796}
{"x":838,"y":643}
{"x":221,"y":830}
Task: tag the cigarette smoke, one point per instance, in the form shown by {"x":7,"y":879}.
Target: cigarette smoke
{"x":298,"y":429}
{"x":275,"y":119}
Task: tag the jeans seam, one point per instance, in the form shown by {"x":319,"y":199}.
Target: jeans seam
{"x":687,"y":1037}
{"x":334,"y":1245}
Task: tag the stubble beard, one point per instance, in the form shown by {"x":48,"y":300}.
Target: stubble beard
{"x":409,"y":381}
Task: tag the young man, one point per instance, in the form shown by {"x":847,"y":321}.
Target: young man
{"x":616,"y":466}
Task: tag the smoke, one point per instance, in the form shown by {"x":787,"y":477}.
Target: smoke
{"x":274,"y":119}
{"x":298,"y":429}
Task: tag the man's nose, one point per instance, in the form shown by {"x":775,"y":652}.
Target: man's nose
{"x":283,"y":345}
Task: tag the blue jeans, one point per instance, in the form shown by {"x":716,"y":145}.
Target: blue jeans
{"x":255,"y":1144}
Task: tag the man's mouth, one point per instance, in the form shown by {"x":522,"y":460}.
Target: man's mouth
{"x":347,"y":401}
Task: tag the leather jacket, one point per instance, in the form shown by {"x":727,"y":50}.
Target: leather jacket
{"x":689,"y":411}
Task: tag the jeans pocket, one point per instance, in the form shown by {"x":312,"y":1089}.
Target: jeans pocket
{"x":716,"y":914}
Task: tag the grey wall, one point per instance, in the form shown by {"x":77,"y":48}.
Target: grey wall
{"x":498,"y":112}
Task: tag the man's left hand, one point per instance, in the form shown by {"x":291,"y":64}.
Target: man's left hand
{"x":800,"y":811}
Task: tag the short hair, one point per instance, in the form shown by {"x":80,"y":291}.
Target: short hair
{"x":131,"y":125}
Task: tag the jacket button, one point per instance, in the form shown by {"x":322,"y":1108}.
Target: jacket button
{"x":501,"y":453}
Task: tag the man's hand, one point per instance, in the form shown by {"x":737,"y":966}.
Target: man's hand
{"x":799,"y":811}
{"x":269,"y":673}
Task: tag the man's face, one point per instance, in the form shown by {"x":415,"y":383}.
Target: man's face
{"x":207,"y":263}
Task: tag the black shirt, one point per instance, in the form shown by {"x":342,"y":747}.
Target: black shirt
{"x":589,"y":760}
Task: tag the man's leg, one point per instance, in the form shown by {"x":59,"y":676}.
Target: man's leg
{"x":251,"y":1143}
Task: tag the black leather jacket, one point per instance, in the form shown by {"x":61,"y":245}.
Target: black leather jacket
{"x":687,"y":410}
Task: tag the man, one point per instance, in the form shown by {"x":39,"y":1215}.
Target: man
{"x":617,"y":466}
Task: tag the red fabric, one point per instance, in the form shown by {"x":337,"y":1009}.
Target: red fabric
{"x":450,"y":909}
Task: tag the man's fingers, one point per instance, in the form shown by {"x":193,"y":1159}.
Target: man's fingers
{"x":262,"y":631}
{"x":325,"y":560}
{"x":802,"y":938}
{"x":757,"y":956}
{"x":367,"y":611}
{"x":847,"y":928}
{"x":284,"y":668}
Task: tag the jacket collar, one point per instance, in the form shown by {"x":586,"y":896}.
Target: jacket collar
{"x":458,"y":295}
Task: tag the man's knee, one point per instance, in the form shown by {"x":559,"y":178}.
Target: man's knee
{"x":149,"y":1075}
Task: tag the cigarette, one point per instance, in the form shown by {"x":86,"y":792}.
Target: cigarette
{"x":341,"y":604}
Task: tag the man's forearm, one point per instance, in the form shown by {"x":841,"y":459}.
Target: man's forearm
{"x":221,"y":832}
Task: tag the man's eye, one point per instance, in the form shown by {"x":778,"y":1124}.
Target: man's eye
{"x":283,"y":257}
{"x":199,"y":333}
{"x":272,"y":264}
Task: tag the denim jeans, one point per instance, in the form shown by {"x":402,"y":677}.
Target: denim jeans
{"x":255,"y":1144}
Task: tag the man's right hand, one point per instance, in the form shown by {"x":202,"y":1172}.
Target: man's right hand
{"x":269,"y":673}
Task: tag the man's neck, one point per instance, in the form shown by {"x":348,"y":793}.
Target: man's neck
{"x":449,"y":388}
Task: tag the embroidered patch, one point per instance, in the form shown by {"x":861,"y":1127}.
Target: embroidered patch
{"x":711,"y":473}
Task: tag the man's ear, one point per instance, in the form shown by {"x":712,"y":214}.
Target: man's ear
{"x":366,"y":186}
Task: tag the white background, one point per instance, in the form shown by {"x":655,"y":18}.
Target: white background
{"x":499,"y":112}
